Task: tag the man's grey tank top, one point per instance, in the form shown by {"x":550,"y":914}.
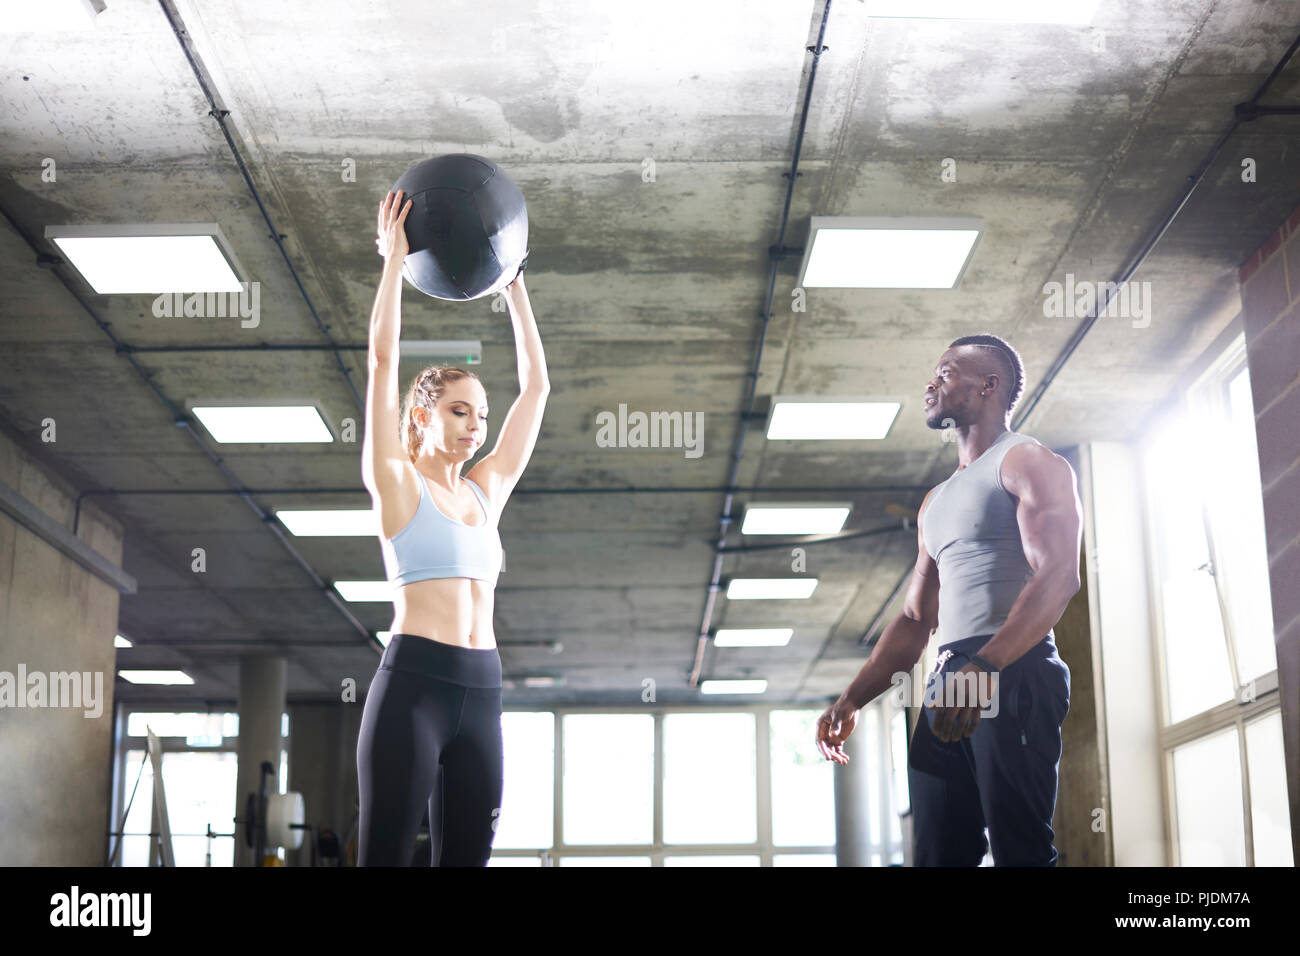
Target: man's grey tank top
{"x":972,"y":534}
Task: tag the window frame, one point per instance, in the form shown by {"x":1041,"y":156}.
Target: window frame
{"x":763,"y":846}
{"x":1206,"y":395}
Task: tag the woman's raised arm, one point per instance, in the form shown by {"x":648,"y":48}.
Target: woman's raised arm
{"x":499,"y":471}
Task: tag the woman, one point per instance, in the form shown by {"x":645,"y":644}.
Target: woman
{"x":431,"y":728}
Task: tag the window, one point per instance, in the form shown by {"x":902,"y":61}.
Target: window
{"x":709,"y":778}
{"x":803,"y":796}
{"x":1269,"y":816}
{"x":682,"y":786}
{"x":200,"y":792}
{"x":528,"y":801}
{"x":1215,"y":627}
{"x":609,"y":769}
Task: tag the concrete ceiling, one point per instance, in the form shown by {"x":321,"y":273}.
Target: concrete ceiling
{"x":1072,"y":143}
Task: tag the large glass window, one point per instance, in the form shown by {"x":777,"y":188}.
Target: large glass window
{"x":1197,"y":675}
{"x":609,"y":772}
{"x":1214,"y":607}
{"x":803,"y":796}
{"x":527,"y":818}
{"x":1207,"y":791}
{"x":709,"y":778}
{"x":704,"y":799}
{"x":200,"y":792}
{"x":1238,"y":522}
{"x":1269,"y":814}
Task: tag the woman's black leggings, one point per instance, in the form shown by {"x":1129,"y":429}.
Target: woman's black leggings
{"x":430,"y":736}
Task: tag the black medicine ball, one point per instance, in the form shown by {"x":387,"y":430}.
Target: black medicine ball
{"x":467,"y":228}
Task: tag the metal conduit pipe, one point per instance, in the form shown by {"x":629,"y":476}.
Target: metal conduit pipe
{"x":668,"y":490}
{"x":776,"y":255}
{"x":219,"y":113}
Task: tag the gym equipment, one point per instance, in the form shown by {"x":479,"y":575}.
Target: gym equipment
{"x":160,"y":843}
{"x":272,"y":819}
{"x":467,"y":228}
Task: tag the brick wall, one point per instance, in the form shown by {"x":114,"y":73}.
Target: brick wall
{"x":1270,"y":311}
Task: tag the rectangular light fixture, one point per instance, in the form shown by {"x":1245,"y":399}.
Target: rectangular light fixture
{"x":466,"y":351}
{"x":733,"y":686}
{"x":156,"y":677}
{"x":753,"y":636}
{"x":365,"y":590}
{"x":120,"y":641}
{"x":795,"y":519}
{"x":338,"y":523}
{"x":888,"y":252}
{"x":770,"y":589}
{"x":814,"y":418}
{"x":50,"y":16}
{"x":147,"y":259}
{"x":1077,"y":12}
{"x":541,"y":681}
{"x":237,"y":422}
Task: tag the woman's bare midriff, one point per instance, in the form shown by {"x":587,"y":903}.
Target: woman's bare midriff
{"x":450,"y":610}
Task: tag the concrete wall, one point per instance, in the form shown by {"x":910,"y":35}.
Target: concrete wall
{"x":55,"y":616}
{"x":1270,"y":309}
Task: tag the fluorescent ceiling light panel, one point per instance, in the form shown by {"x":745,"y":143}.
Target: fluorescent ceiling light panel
{"x":1077,"y":12}
{"x":800,"y":418}
{"x":888,"y":252}
{"x":266,"y":424}
{"x":150,"y":259}
{"x":49,"y":16}
{"x":540,"y":681}
{"x":770,"y":589}
{"x":120,"y":641}
{"x":384,"y":637}
{"x":356,"y":523}
{"x":468,"y":351}
{"x":733,"y":686}
{"x":753,"y":636}
{"x":156,"y":677}
{"x":364,"y":590}
{"x":795,"y":519}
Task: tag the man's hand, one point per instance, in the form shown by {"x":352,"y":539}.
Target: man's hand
{"x":833,"y":728}
{"x":952,"y":723}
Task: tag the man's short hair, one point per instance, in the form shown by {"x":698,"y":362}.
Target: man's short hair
{"x":1007,"y":358}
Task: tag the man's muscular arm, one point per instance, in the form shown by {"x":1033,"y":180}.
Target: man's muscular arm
{"x":1050,"y":517}
{"x":904,"y":640}
{"x":897,"y":651}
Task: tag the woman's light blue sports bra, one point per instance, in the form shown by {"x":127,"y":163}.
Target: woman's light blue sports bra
{"x":435,"y":546}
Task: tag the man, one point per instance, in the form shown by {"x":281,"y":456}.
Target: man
{"x":1001,"y":535}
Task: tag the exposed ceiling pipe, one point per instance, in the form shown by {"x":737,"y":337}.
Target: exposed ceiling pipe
{"x":179,"y":418}
{"x":669,"y":490}
{"x":776,"y":255}
{"x":808,"y":542}
{"x":219,"y":113}
{"x":1243,"y":112}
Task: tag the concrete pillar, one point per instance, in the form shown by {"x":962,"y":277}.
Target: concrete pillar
{"x":855,"y":800}
{"x":323,"y":767}
{"x":261,"y":704}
